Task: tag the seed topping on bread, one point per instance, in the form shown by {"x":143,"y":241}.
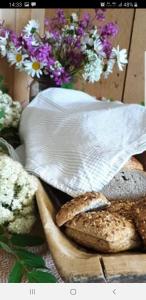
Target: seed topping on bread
{"x":83,"y":203}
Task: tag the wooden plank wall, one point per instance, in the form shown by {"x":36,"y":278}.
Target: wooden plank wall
{"x":127,"y":86}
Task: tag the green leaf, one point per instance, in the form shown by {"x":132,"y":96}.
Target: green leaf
{"x":30,"y":259}
{"x":68,"y":85}
{"x":41,"y":277}
{"x":24,"y":240}
{"x":5,"y":247}
{"x":142,"y":103}
{"x":16,"y":273}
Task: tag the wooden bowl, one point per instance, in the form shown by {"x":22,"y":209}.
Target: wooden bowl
{"x":77,"y":265}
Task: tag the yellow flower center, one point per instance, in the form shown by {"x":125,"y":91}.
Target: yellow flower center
{"x":18,"y":57}
{"x":36,"y":65}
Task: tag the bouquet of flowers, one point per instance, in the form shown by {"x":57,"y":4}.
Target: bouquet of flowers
{"x":70,"y":45}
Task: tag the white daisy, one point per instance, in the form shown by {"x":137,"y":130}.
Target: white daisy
{"x":31,"y":27}
{"x":121,"y":57}
{"x":15,"y":57}
{"x":34,"y":67}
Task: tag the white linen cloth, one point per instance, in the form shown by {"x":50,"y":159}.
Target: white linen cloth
{"x":77,"y":143}
{"x":9,"y":150}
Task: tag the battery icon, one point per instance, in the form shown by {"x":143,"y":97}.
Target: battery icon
{"x":33,"y":4}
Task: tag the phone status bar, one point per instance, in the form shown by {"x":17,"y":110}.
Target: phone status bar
{"x":76,"y":3}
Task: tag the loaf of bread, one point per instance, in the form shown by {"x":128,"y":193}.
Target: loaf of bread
{"x":133,"y":164}
{"x":123,"y":208}
{"x":126,"y":185}
{"x":103,"y":231}
{"x":140,"y":219}
{"x":85,"y":202}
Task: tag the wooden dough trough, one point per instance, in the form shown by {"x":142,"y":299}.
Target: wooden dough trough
{"x":76,"y":264}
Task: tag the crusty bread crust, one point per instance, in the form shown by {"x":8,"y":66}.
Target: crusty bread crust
{"x":140,"y":220}
{"x":103,"y":231}
{"x":133,"y":164}
{"x":86,"y":202}
{"x":123,"y":208}
{"x":101,"y":245}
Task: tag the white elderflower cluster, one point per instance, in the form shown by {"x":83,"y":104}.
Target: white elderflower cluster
{"x":17,"y":190}
{"x":10,"y":111}
{"x":94,"y":68}
{"x":97,"y":65}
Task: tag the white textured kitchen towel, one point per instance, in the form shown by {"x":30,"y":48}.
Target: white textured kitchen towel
{"x":9,"y":149}
{"x":77,"y":143}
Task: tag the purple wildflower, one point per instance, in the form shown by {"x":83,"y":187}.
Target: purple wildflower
{"x":29,"y":46}
{"x":80,"y":31}
{"x":69,"y":40}
{"x":107,"y":47}
{"x":61,"y":16}
{"x":64,"y":77}
{"x":85,"y":21}
{"x":110,"y":30}
{"x":99,"y":14}
{"x":58,"y":21}
{"x":43,"y":52}
{"x":16,"y":40}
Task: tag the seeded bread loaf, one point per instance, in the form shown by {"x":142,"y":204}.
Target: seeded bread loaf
{"x":140,"y":220}
{"x":103,"y":231}
{"x":126,"y":185}
{"x":85,"y":202}
{"x":123,"y":208}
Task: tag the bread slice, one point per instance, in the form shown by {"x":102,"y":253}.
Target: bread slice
{"x":103,"y":231}
{"x":133,"y":164}
{"x":126,"y":185}
{"x":85,"y":202}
